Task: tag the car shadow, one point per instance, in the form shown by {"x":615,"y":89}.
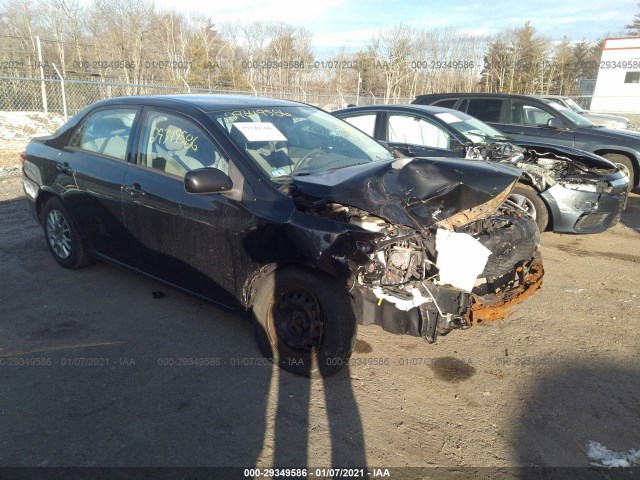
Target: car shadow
{"x":578,"y":402}
{"x":98,"y":372}
{"x":631,"y":215}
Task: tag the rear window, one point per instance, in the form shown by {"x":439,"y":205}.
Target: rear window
{"x":105,"y":132}
{"x":485,"y":109}
{"x":366,"y":122}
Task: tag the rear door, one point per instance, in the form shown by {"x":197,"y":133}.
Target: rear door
{"x":186,"y":239}
{"x":96,"y":157}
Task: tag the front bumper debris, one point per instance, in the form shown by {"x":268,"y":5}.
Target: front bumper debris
{"x":451,"y":308}
{"x":495,"y":306}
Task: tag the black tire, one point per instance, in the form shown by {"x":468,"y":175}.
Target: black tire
{"x":61,"y":236}
{"x":527,"y":198}
{"x":623,"y":163}
{"x":304,"y":321}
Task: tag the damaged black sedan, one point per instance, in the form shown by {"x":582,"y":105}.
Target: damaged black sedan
{"x":565,"y":189}
{"x":281,"y":210}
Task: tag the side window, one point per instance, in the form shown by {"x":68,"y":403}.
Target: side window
{"x":446,"y":103}
{"x":105,"y":132}
{"x":485,"y":109}
{"x":176,"y":145}
{"x":526,"y":114}
{"x":416,"y":130}
{"x":366,"y":123}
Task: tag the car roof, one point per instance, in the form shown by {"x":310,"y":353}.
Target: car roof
{"x":475,"y":95}
{"x":549,"y":96}
{"x":399,"y":108}
{"x":202,"y":102}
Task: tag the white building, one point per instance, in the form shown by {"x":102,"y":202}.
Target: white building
{"x":618,"y":84}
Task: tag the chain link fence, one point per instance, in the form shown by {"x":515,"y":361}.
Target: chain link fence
{"x":32,"y":106}
{"x":54,"y":95}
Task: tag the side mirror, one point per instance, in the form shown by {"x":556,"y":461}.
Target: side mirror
{"x":555,"y":123}
{"x":207,"y":180}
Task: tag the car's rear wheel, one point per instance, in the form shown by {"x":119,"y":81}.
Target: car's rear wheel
{"x":624,"y":164}
{"x":62,"y":238}
{"x":304,"y":321}
{"x":527,"y":198}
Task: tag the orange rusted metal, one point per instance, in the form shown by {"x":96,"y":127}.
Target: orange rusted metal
{"x":496,"y":306}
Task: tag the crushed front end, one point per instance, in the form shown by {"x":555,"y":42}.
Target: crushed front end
{"x":444,"y":250}
{"x":584,"y":192}
{"x":402,"y":288}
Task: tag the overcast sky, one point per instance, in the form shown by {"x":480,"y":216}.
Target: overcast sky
{"x":352,"y":22}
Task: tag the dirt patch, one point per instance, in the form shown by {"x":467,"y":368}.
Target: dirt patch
{"x":625,"y":257}
{"x":96,"y":372}
{"x":451,"y":369}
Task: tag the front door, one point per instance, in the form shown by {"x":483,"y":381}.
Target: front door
{"x":417,"y":136}
{"x":186,"y":239}
{"x":528,"y":122}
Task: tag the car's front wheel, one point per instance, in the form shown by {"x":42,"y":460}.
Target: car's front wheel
{"x":528,"y":199}
{"x":304,"y":321}
{"x":62,"y":238}
{"x":624,"y":164}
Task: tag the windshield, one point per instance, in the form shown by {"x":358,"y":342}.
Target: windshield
{"x":573,"y":116}
{"x":286,"y":141}
{"x":573,"y":106}
{"x":473,"y":129}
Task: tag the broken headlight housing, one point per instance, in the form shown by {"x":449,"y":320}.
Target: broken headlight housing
{"x":585,"y":185}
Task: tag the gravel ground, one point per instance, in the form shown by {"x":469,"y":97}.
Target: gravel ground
{"x":94,"y":371}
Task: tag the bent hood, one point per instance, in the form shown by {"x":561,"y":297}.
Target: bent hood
{"x":587,"y":159}
{"x":416,"y":192}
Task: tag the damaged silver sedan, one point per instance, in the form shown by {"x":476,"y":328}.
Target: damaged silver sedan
{"x":282,"y":211}
{"x":562,"y":188}
{"x":572,"y":190}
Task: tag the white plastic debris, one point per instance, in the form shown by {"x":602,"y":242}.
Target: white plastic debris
{"x":404,"y":305}
{"x":461,"y":258}
{"x":601,"y":456}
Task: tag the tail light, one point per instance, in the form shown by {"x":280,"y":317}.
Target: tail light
{"x":23,"y":157}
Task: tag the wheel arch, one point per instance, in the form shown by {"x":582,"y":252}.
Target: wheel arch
{"x":526,"y":180}
{"x":253,"y":280}
{"x":630,"y":155}
{"x":43,"y":197}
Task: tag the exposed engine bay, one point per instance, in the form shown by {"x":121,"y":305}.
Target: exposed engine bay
{"x":429,"y":281}
{"x":544,"y":165}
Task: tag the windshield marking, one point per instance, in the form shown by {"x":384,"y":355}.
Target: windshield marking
{"x":448,"y":117}
{"x":269,"y":112}
{"x":260,"y":132}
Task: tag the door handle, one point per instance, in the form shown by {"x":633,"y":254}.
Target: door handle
{"x":64,"y":168}
{"x":134,"y":190}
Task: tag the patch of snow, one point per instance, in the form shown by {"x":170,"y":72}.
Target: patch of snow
{"x":601,"y":456}
{"x":574,"y":290}
{"x":17,"y":128}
